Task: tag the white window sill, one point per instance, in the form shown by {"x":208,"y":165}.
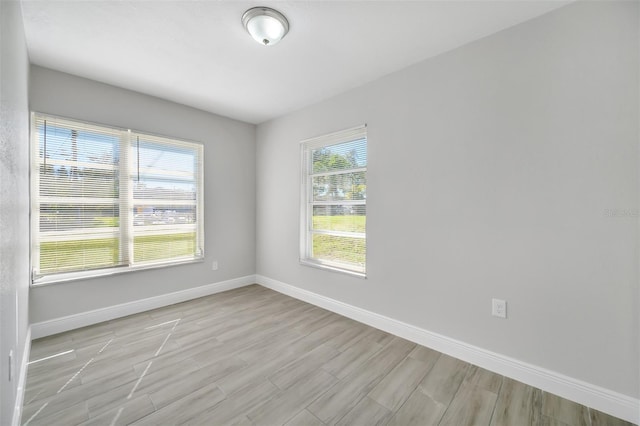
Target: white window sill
{"x":332,"y":267}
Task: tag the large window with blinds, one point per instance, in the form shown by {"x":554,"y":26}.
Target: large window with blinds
{"x":334,"y":201}
{"x":105,"y":200}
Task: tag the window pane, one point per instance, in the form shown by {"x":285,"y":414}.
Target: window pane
{"x":78,"y":254}
{"x":145,"y":188}
{"x":163,"y":215}
{"x":78,"y":196}
{"x":156,"y":247}
{"x":162,"y":159}
{"x":63,"y":217}
{"x":67,"y":141}
{"x":343,"y":186}
{"x":79,"y":182}
{"x":345,"y":218}
{"x":342,"y":156}
{"x":164,"y":184}
{"x":346,"y":250}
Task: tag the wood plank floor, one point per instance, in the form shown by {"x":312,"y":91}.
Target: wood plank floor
{"x":252,"y":356}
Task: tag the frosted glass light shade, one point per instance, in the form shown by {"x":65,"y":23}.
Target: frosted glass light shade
{"x":267,"y":26}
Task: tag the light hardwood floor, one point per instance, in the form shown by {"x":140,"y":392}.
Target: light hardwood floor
{"x":254,"y":356}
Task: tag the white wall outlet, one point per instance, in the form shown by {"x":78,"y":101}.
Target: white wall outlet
{"x":499,"y":308}
{"x":214,"y":265}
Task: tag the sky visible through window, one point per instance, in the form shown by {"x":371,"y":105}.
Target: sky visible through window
{"x":156,"y":159}
{"x":88,"y":148}
{"x":91,"y":147}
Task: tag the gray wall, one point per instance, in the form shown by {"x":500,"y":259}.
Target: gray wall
{"x":506,"y":168}
{"x":14,"y":200}
{"x":229,"y":162}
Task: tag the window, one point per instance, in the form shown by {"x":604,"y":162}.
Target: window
{"x":106,"y":200}
{"x":334,"y":201}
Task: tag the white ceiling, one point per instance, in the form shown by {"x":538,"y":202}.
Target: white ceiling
{"x":197,"y":53}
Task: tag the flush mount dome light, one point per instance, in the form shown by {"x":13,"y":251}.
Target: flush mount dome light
{"x":267,"y":26}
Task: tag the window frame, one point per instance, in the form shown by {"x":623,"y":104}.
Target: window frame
{"x":307,"y":203}
{"x":126,"y":169}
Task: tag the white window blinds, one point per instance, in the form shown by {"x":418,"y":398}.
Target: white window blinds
{"x":110,"y":198}
{"x":334,"y":198}
{"x":165,"y":193}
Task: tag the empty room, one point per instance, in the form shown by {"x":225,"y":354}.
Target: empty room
{"x":348,"y":212}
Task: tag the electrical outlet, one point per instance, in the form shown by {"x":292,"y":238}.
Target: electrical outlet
{"x":214,"y":265}
{"x":499,"y":308}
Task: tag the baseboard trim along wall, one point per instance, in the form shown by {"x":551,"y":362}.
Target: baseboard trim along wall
{"x":610,"y":402}
{"x":22,"y":380}
{"x":605,"y":400}
{"x":71,"y":322}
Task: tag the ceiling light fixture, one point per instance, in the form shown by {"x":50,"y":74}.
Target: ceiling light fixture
{"x":267,"y":26}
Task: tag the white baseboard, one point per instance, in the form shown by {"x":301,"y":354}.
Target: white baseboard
{"x":71,"y":322}
{"x":22,"y":380}
{"x":605,"y":400}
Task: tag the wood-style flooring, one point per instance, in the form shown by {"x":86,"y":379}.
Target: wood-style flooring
{"x":252,"y":356}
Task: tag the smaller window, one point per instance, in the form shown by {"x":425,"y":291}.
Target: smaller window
{"x":334,"y":201}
